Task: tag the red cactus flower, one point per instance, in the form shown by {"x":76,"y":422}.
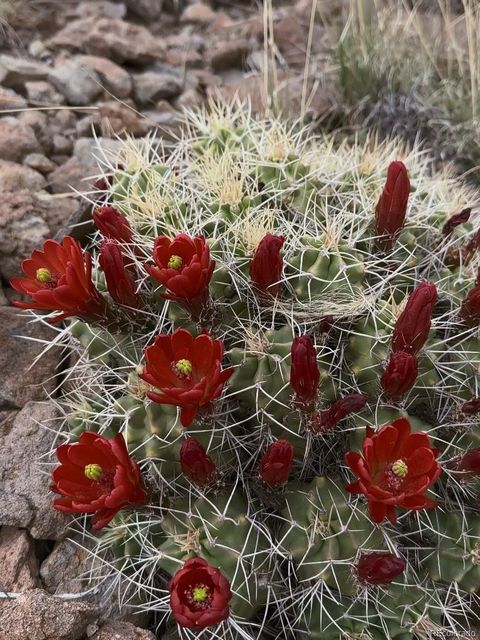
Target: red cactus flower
{"x":120,"y":284}
{"x":400,"y":374}
{"x":196,"y":464}
{"x":395,"y":470}
{"x":188,"y":371}
{"x":112,"y":224}
{"x":470,"y":308}
{"x":59,"y":278}
{"x":184,"y":266}
{"x":469,"y":464}
{"x":379,"y":568}
{"x":304,"y":372}
{"x":267,"y":264}
{"x":276,"y":463}
{"x":413,"y":324}
{"x":470,"y":249}
{"x":392,"y":206}
{"x":327,"y":419}
{"x":455,"y":221}
{"x":199,"y":595}
{"x":96,"y":475}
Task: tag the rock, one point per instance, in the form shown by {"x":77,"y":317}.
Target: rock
{"x":42,"y":93}
{"x":18,"y":352}
{"x":14,"y":177}
{"x":35,"y":615}
{"x":62,"y":145}
{"x":77,"y":172}
{"x":15,"y":71}
{"x":198,"y":13}
{"x":39,"y":122}
{"x":9,"y":99}
{"x":99,"y":9}
{"x":18,"y":564}
{"x":151,"y":86}
{"x":76,"y":82}
{"x":63,"y":569}
{"x":116,"y":118}
{"x":115,"y":79}
{"x":39,"y":162}
{"x":116,"y":630}
{"x":118,"y":40}
{"x":145,"y":9}
{"x":26,"y":220}
{"x":25,"y":498}
{"x":37,"y":49}
{"x":16,"y":139}
{"x":229,"y":54}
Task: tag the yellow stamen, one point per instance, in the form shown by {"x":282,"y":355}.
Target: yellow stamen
{"x":199,"y":594}
{"x":175,"y":262}
{"x":93,"y":471}
{"x":184,"y":367}
{"x":43,"y":275}
{"x":399,"y":468}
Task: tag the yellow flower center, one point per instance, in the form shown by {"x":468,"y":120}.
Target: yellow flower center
{"x":199,"y":594}
{"x":399,"y":468}
{"x":175,"y":262}
{"x":43,"y":275}
{"x":93,"y":471}
{"x":184,"y":367}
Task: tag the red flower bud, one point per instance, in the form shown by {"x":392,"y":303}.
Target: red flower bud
{"x":456,"y":220}
{"x":196,"y":464}
{"x":470,"y":308}
{"x":471,"y":407}
{"x":470,"y":462}
{"x":120,"y":284}
{"x":379,"y":568}
{"x":276,"y":463}
{"x":304,"y":373}
{"x":392,"y":206}
{"x":329,"y":418}
{"x":112,"y":224}
{"x":413,"y":324}
{"x":469,"y":250}
{"x":400,"y":374}
{"x":267,"y":264}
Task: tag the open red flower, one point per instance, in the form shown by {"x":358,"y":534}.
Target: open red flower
{"x":396,"y":469}
{"x":304,"y":372}
{"x":96,"y":475}
{"x":267,"y":264}
{"x":184,"y":266}
{"x":276,"y":463}
{"x":120,"y":284}
{"x":199,"y":595}
{"x":188,"y":371}
{"x":59,"y":278}
{"x":196,"y":464}
{"x":112,"y":224}
{"x":413,"y":324}
{"x":392,"y":206}
{"x":379,"y":568}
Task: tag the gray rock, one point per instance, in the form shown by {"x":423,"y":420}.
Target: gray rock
{"x":229,"y":54}
{"x":152,"y":86}
{"x":86,"y":150}
{"x":41,"y":93}
{"x":116,"y":630}
{"x":26,"y":220}
{"x":145,"y":9}
{"x":115,"y":79}
{"x":25,"y":499}
{"x":118,"y":40}
{"x":35,"y":615}
{"x":18,"y":564}
{"x":99,"y":9}
{"x":15,"y":71}
{"x":15,"y":177}
{"x":9,"y":99}
{"x":39,"y":162}
{"x":198,"y":13}
{"x":76,"y":82}
{"x":16,"y":139}
{"x":63,"y":571}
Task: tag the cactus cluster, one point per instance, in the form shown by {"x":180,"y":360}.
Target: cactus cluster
{"x":271,"y":300}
